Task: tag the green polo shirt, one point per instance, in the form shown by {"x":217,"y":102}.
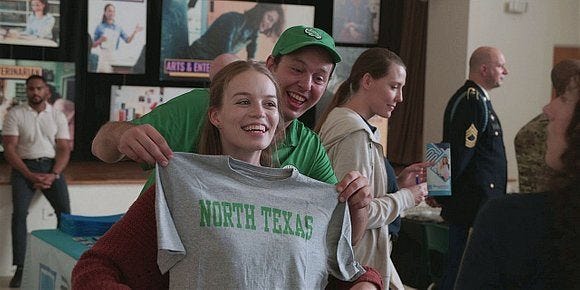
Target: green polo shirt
{"x":180,"y":121}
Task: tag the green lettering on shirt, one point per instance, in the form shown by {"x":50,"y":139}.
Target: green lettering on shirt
{"x":266,"y":213}
{"x":309,"y":223}
{"x":216,"y":213}
{"x":227,"y":210}
{"x":205,"y":213}
{"x":250,"y":222}
{"x":287,"y":217}
{"x":277,"y":228}
{"x":299,"y":231}
{"x":238,"y":209}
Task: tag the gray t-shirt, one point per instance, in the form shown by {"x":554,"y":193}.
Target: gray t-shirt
{"x":224,"y":223}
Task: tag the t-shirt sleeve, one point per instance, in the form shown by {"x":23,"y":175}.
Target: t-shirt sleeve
{"x":323,"y":168}
{"x":62,"y":126}
{"x":98,"y":33}
{"x":307,"y":154}
{"x":320,"y":166}
{"x":342,"y":264}
{"x":10,"y":125}
{"x":179,"y":120}
{"x":170,"y":248}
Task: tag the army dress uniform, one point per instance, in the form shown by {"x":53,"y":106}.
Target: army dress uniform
{"x":478,"y":160}
{"x":478,"y":167}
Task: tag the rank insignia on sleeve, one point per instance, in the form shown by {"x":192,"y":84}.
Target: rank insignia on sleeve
{"x":471,"y":136}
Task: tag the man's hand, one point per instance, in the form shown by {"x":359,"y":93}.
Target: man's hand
{"x":355,"y":188}
{"x":144,"y":144}
{"x":35,"y":177}
{"x":413,"y":174}
{"x":43,"y":180}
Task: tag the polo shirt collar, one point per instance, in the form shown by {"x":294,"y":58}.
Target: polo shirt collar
{"x":47,"y":109}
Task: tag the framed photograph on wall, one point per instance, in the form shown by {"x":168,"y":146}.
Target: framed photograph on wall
{"x":117,"y":36}
{"x":30,"y":22}
{"x":60,"y":77}
{"x":132,"y":102}
{"x":193,"y":33}
{"x":356,"y":21}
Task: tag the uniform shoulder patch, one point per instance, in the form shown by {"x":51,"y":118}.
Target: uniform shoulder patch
{"x":471,"y":136}
{"x":472,"y":93}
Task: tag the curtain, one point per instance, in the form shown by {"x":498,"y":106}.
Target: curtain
{"x":405,"y":133}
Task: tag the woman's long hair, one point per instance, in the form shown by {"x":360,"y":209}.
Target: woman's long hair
{"x":375,"y":61}
{"x":104,"y":19}
{"x":210,"y":142}
{"x":254,"y":18}
{"x":563,"y":263}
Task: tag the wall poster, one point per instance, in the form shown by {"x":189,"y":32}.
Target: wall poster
{"x":60,"y":77}
{"x":194,"y":32}
{"x":132,"y":102}
{"x":117,"y":36}
{"x":34,"y":22}
{"x":356,"y":21}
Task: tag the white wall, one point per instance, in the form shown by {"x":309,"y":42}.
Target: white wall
{"x":90,"y":200}
{"x":527,"y":41}
{"x":445,"y":67}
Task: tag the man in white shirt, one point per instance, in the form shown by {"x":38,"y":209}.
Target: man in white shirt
{"x":35,"y":139}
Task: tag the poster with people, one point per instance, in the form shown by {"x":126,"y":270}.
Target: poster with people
{"x":194,"y":32}
{"x":356,"y":21}
{"x":30,"y":22}
{"x":60,"y":77}
{"x":117,"y":36}
{"x":132,"y":102}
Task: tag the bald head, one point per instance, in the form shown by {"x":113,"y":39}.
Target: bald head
{"x":481,"y":56}
{"x":562,"y":72}
{"x":220,"y":62}
{"x":487,"y":67}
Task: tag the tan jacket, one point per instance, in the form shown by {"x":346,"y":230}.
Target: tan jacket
{"x":351,"y":145}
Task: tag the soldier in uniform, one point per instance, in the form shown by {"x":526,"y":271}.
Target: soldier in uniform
{"x":530,"y":141}
{"x":478,"y":160}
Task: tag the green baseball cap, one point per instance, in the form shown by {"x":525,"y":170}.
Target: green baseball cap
{"x":300,"y":36}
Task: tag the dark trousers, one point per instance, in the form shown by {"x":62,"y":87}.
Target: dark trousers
{"x":457,"y":239}
{"x":22,"y":193}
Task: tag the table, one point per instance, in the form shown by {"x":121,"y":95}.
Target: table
{"x":50,"y":258}
{"x":29,"y":41}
